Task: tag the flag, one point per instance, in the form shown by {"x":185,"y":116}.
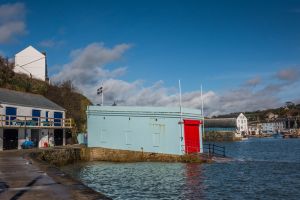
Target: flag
{"x":100,"y":90}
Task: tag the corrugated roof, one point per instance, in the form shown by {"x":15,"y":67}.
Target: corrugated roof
{"x":27,"y":99}
{"x":220,"y":123}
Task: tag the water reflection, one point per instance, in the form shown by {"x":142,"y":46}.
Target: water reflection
{"x":193,"y":182}
{"x":263,"y":169}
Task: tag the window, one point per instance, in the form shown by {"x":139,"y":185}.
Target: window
{"x":36,"y":114}
{"x":10,"y":113}
{"x":58,"y":118}
{"x":155,"y":139}
{"x":47,"y":115}
{"x":128,"y":137}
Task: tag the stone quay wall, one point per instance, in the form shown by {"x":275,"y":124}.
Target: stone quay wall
{"x":67,"y":155}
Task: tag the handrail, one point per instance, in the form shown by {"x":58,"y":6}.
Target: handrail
{"x":210,"y":149}
{"x":33,"y":121}
{"x":214,"y":150}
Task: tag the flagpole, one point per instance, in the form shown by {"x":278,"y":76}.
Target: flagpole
{"x":102,"y":97}
{"x":203,"y":119}
{"x":100,"y":91}
{"x":201,"y":102}
{"x":180,"y":99}
{"x":181,"y":122}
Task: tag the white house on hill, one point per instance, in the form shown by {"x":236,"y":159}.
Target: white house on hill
{"x":31,"y":62}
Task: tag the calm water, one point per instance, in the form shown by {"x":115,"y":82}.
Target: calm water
{"x":262,"y":169}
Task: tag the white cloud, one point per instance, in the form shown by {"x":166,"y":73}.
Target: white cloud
{"x":254,"y":81}
{"x":87,"y":65}
{"x":51,"y":43}
{"x":289,"y":74}
{"x":87,"y":69}
{"x":12,"y":21}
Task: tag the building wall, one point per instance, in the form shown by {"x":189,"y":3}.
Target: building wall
{"x":138,"y":128}
{"x":34,"y":63}
{"x":253,"y":130}
{"x":242,"y":124}
{"x":27,"y":111}
{"x":273,"y":126}
{"x":45,"y":135}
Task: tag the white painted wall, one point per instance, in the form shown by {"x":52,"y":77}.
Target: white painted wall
{"x":242,"y":123}
{"x":253,"y":129}
{"x":27,"y":111}
{"x":32,"y":61}
{"x":272,"y":126}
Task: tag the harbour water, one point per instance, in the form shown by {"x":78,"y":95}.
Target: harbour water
{"x":262,"y":168}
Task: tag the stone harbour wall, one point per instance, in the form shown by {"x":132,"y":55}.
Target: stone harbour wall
{"x":113,"y":155}
{"x":68,"y":155}
{"x":216,"y":136}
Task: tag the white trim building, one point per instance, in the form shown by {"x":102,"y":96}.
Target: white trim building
{"x":273,"y":126}
{"x":242,"y":124}
{"x":25,"y":116}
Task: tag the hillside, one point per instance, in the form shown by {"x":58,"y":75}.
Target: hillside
{"x":288,"y":110}
{"x":63,"y":94}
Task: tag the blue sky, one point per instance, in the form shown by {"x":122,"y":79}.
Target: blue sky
{"x":234,"y":48}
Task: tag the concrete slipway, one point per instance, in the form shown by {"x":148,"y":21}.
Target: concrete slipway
{"x":23,"y":178}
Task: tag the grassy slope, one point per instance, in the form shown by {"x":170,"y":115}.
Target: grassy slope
{"x":261,"y":114}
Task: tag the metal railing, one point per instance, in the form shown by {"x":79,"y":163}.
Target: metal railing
{"x":13,"y":121}
{"x":214,"y":150}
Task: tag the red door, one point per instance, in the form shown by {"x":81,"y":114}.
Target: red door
{"x":192,"y":136}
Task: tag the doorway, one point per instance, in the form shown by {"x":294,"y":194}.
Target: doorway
{"x":192,"y":136}
{"x":10,"y":139}
{"x":58,"y":137}
{"x":35,"y":137}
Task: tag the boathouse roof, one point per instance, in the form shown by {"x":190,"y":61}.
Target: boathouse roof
{"x":220,"y":123}
{"x":17,"y":98}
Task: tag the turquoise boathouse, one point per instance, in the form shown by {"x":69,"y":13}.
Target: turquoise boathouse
{"x":149,"y":129}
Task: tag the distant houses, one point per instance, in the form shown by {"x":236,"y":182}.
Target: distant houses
{"x":273,"y":126}
{"x":31,"y":62}
{"x":237,"y":125}
{"x":26,"y":116}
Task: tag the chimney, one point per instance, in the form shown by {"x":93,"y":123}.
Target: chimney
{"x":46,"y":66}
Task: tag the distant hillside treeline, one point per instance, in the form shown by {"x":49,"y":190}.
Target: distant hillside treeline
{"x":63,"y":94}
{"x":288,"y":110}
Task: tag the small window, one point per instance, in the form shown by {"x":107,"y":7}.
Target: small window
{"x":36,"y":114}
{"x":103,"y":135}
{"x":156,"y":139}
{"x":128,"y":137}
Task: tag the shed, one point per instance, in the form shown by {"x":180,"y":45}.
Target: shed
{"x":26,"y":116}
{"x":220,"y":124}
{"x":149,"y":129}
